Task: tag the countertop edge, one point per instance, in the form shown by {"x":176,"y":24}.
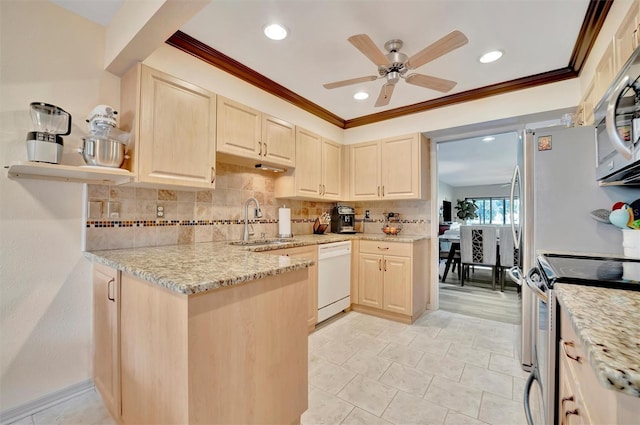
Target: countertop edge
{"x":607,"y":376}
{"x":205,"y":286}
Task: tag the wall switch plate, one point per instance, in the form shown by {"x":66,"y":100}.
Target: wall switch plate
{"x":94,"y":209}
{"x":113,"y":209}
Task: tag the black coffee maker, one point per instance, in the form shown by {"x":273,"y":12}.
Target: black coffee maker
{"x":343,"y":219}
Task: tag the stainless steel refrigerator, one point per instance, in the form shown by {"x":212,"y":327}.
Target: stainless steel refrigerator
{"x":558,"y":190}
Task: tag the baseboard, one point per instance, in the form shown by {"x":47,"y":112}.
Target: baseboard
{"x":44,"y":402}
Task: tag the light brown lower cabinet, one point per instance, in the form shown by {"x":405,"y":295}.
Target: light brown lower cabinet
{"x":582,"y":399}
{"x":106,"y":337}
{"x":308,"y":253}
{"x":234,"y":355}
{"x":393,"y":279}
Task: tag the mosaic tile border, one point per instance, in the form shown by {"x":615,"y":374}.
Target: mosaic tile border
{"x":164,"y":223}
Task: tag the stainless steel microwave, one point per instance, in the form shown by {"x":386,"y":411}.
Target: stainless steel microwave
{"x":617,"y":118}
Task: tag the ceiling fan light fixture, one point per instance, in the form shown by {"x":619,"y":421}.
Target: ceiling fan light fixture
{"x":361,"y":95}
{"x":491,"y":56}
{"x":275,"y":32}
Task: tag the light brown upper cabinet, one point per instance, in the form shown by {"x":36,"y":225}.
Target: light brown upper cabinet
{"x":584,"y":114}
{"x":319,"y":169}
{"x":246,"y":135}
{"x":392,"y":168}
{"x":605,"y":73}
{"x":174,"y":129}
{"x":626,"y":38}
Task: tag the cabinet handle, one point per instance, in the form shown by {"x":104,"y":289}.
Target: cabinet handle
{"x":213,"y":175}
{"x":383,"y":191}
{"x":380,"y":264}
{"x":383,"y":248}
{"x":566,"y":344}
{"x":319,"y":189}
{"x":567,"y":413}
{"x":265,"y":149}
{"x":260,"y":145}
{"x":378,"y":191}
{"x":109,"y":286}
{"x":385,"y":265}
{"x":324,"y":189}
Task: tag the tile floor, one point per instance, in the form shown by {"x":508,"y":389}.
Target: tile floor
{"x":446,"y":368}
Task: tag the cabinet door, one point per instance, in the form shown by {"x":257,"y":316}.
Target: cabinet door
{"x":106,"y":349}
{"x":308,"y":163}
{"x":365,"y":171}
{"x":177,"y":132}
{"x":400,"y":164}
{"x":239,"y":128}
{"x":397,"y":284}
{"x":331,"y":170}
{"x":370,"y":277}
{"x":278,"y":141}
{"x":604,"y":73}
{"x":626,"y":38}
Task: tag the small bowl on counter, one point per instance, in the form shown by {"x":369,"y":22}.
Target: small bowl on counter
{"x":392,"y":229}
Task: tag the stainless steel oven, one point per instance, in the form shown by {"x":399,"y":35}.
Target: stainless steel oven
{"x":541,"y":406}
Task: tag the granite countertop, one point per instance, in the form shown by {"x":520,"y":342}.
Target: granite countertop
{"x":607,"y":321}
{"x":191,"y":269}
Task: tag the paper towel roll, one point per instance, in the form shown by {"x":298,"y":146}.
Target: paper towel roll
{"x":284,"y":222}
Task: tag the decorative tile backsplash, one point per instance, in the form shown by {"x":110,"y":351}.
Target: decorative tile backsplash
{"x":218,"y":214}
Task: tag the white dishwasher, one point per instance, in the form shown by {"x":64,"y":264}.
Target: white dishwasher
{"x":334,"y":278}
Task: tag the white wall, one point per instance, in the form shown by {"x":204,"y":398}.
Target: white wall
{"x":45,"y":293}
{"x":48,"y":55}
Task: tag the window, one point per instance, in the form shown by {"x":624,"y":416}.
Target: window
{"x":495,"y":210}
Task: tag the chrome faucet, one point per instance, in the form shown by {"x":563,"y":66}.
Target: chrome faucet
{"x":257,"y":214}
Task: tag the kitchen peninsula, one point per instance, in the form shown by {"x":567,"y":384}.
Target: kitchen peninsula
{"x":205,"y":333}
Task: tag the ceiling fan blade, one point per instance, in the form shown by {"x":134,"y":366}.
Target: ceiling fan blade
{"x":449,"y":42}
{"x":368,"y":48}
{"x":343,"y":83}
{"x":429,"y":82}
{"x":385,"y":94}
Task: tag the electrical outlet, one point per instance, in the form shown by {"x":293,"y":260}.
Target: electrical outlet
{"x":159,"y":211}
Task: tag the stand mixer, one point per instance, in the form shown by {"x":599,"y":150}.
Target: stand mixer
{"x":51,"y":123}
{"x":105,"y":146}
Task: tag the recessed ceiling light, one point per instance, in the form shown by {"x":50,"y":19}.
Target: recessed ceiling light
{"x":275,"y":31}
{"x":491,"y":56}
{"x":488,"y":139}
{"x":361,"y":95}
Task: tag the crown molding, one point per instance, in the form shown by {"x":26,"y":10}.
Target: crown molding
{"x":592,"y":24}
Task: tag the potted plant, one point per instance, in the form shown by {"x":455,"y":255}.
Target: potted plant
{"x":466,"y":210}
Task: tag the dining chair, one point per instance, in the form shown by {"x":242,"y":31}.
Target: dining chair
{"x":478,"y":247}
{"x":509,"y":255}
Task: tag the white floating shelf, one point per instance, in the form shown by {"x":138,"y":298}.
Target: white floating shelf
{"x":69,"y":173}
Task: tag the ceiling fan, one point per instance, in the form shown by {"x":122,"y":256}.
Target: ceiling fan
{"x":394,"y":65}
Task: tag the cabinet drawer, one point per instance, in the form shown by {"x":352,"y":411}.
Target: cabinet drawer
{"x":600,"y":400}
{"x":401,"y":249}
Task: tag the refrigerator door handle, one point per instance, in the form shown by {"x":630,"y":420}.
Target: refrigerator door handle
{"x":534,"y":287}
{"x":533,"y":376}
{"x":514,"y":180}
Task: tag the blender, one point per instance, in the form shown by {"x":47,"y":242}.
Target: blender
{"x":51,"y":123}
